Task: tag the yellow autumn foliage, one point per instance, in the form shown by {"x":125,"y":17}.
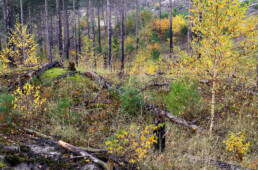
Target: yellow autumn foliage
{"x":161,"y":25}
{"x":16,"y":46}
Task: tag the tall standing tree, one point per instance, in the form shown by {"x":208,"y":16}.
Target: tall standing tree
{"x":109,"y":34}
{"x":75,"y":32}
{"x":66,"y":31}
{"x":189,"y":26}
{"x":92,"y":18}
{"x":122,"y":36}
{"x":160,"y":6}
{"x":59,"y":23}
{"x":136,"y":29}
{"x":79,"y":32}
{"x":99,"y":29}
{"x":47,"y":32}
{"x":22,"y":19}
{"x":170,"y":27}
{"x":221,"y":24}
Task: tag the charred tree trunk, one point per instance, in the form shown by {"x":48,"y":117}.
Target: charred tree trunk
{"x":109,"y":34}
{"x":122,"y":36}
{"x":51,"y":33}
{"x":75,"y":36}
{"x":88,"y":21}
{"x":79,"y":33}
{"x":92,"y":18}
{"x":99,"y":29}
{"x":66,"y":32}
{"x":170,"y":28}
{"x":30,"y":24}
{"x":136,"y":34}
{"x":22,"y":19}
{"x":59,"y":22}
{"x":160,"y":9}
{"x":189,"y":26}
{"x":47,"y":30}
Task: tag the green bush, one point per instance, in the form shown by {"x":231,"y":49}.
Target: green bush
{"x":167,"y":34}
{"x":129,"y":48}
{"x":180,"y":6}
{"x":175,"y":12}
{"x":244,"y":3}
{"x":184,"y":30}
{"x":155,"y":54}
{"x":131,"y":101}
{"x":156,"y":8}
{"x":184,"y":99}
{"x":256,"y":6}
{"x":6,"y":106}
{"x":154,"y":37}
{"x":164,"y":15}
{"x":185,"y":14}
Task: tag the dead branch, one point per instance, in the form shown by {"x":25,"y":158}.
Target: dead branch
{"x":66,"y":75}
{"x":157,"y":111}
{"x":38,"y":134}
{"x":81,"y":152}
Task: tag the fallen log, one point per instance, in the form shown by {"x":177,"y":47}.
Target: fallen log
{"x":81,"y":152}
{"x":66,"y":75}
{"x":156,"y":110}
{"x":49,"y":66}
{"x":218,"y":164}
{"x":38,"y":134}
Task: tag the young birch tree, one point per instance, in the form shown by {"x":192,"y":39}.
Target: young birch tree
{"x":226,"y":37}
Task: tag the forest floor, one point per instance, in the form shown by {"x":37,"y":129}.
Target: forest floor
{"x":83,"y":113}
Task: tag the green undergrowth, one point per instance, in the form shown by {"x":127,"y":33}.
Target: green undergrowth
{"x":53,"y":73}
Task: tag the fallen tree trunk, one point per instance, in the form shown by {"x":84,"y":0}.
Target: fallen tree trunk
{"x":38,"y":134}
{"x":49,"y":66}
{"x":156,"y":110}
{"x":81,"y":152}
{"x":66,"y":75}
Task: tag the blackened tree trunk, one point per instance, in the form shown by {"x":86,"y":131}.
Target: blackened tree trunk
{"x":189,"y":26}
{"x":160,"y":5}
{"x":30,"y":24}
{"x":59,"y":22}
{"x":170,"y":28}
{"x":47,"y":33}
{"x":22,"y":19}
{"x":136,"y":34}
{"x":66,"y":32}
{"x":109,"y":34}
{"x":88,"y":21}
{"x":51,"y":33}
{"x":75,"y":34}
{"x":5,"y":18}
{"x":99,"y":30}
{"x":122,"y":37}
{"x":125,"y":20}
{"x":92,"y":18}
{"x":79,"y":32}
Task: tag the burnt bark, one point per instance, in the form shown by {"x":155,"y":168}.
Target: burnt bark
{"x":122,"y":37}
{"x":59,"y":22}
{"x":66,"y":31}
{"x":47,"y":32}
{"x":109,"y":34}
{"x":92,"y":18}
{"x":136,"y":34}
{"x":170,"y":28}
